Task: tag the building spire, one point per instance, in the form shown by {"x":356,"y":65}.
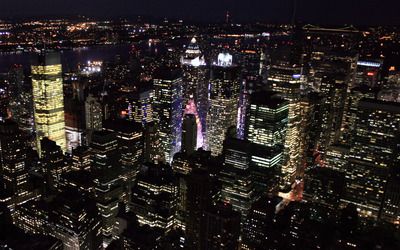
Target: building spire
{"x":227,"y":17}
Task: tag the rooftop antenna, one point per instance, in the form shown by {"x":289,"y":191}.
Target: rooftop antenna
{"x":227,"y":17}
{"x":294,"y":12}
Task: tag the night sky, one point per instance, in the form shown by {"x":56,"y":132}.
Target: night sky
{"x":315,"y":11}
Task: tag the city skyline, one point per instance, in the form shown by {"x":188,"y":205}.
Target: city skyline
{"x":124,"y":134}
{"x":367,"y":12}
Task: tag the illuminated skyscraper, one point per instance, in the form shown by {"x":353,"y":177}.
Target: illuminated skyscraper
{"x":168,"y":109}
{"x":13,"y":160}
{"x":4,"y":96}
{"x":191,"y":61}
{"x":154,"y":198}
{"x":373,"y":153}
{"x":195,"y":82}
{"x":224,"y":99}
{"x":350,"y":112}
{"x":288,"y":80}
{"x":333,"y":86}
{"x":140,"y":106}
{"x":236,"y":181}
{"x":267,"y":119}
{"x":93,"y":115}
{"x":21,"y":100}
{"x":48,"y":99}
{"x":108,"y":181}
{"x":368,"y":72}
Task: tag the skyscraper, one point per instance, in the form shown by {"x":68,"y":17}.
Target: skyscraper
{"x":53,"y":162}
{"x":236,"y":179}
{"x":220,"y":228}
{"x":168,"y":108}
{"x":373,"y":153}
{"x":154,"y":198}
{"x":195,"y":81}
{"x":108,"y":190}
{"x":48,"y":99}
{"x":224,"y":99}
{"x":288,"y":80}
{"x":189,"y":134}
{"x":140,"y":105}
{"x":267,"y":119}
{"x":13,"y":159}
{"x":93,"y":115}
{"x":21,"y":100}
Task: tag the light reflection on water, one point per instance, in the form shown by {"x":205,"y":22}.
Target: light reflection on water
{"x":71,"y":58}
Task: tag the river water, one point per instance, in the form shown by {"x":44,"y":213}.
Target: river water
{"x":69,"y":58}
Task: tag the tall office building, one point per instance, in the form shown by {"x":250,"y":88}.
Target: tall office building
{"x":193,"y":64}
{"x":237,"y":187}
{"x":48,"y":99}
{"x":266,"y":128}
{"x":267,"y":119}
{"x":313,"y":112}
{"x":140,"y":105}
{"x":195,"y":81}
{"x":53,"y":162}
{"x":189,"y":134}
{"x":168,"y":109}
{"x":368,"y":72}
{"x":350,"y":112}
{"x":81,"y":158}
{"x":4,"y":96}
{"x":197,"y":200}
{"x":93,"y":115}
{"x":74,"y":123}
{"x":373,"y":153}
{"x":13,"y":157}
{"x":107,"y":173}
{"x":333,"y":87}
{"x":220,"y":228}
{"x":130,"y":141}
{"x":152,"y":145}
{"x":257,"y":227}
{"x":224,"y":100}
{"x":129,"y":151}
{"x":288,"y":80}
{"x":21,"y":100}
{"x":154,"y":198}
{"x":103,"y":147}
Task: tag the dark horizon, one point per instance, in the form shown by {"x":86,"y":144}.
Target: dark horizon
{"x":367,"y":12}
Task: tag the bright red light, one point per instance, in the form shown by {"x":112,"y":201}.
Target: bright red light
{"x":370,"y":73}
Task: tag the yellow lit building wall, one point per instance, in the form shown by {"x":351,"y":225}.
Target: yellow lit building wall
{"x":48,"y":99}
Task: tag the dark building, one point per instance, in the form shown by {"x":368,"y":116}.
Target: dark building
{"x":197,"y":200}
{"x":154,"y":197}
{"x":220,"y":228}
{"x":53,"y":163}
{"x":189,"y":134}
{"x":257,"y":226}
{"x":324,"y":186}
